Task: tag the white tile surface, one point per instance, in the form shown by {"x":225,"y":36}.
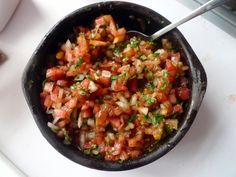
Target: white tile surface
{"x":208,"y":149}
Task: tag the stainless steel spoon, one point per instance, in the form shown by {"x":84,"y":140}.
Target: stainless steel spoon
{"x":202,"y":9}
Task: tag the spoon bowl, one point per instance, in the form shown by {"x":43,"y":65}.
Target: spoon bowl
{"x":202,"y":9}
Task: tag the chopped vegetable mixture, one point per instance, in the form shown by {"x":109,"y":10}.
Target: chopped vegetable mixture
{"x":112,"y":95}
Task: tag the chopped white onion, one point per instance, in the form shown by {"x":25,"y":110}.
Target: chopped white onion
{"x":123,"y":103}
{"x":111,"y":136}
{"x":92,"y":87}
{"x":122,"y":98}
{"x":95,"y":151}
{"x":113,"y":83}
{"x":129,"y":126}
{"x":143,"y":110}
{"x":91,"y":122}
{"x":48,"y":86}
{"x":133,"y":100}
{"x":80,"y":121}
{"x":53,"y":127}
{"x":90,"y":135}
{"x":80,"y":77}
{"x":160,"y":51}
{"x":68,"y":45}
{"x":106,"y":73}
{"x":49,"y":111}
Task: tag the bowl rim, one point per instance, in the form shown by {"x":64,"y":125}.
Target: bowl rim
{"x":199,"y":84}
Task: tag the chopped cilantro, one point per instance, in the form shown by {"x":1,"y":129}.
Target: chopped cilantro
{"x":132,"y":117}
{"x":158,"y":118}
{"x":150,"y":76}
{"x":145,"y":69}
{"x":94,"y":146}
{"x":122,"y":75}
{"x":164,"y":84}
{"x":79,"y":62}
{"x":81,"y":34}
{"x":87,"y":151}
{"x":150,"y":100}
{"x":146,"y":117}
{"x":113,"y":78}
{"x":92,"y":35}
{"x":120,"y":161}
{"x":168,"y":129}
{"x":93,"y":47}
{"x":82,"y":91}
{"x":117,"y":51}
{"x":156,"y":54}
{"x":155,"y":119}
{"x":165,"y":74}
{"x":134,"y":42}
{"x":143,"y":57}
{"x":72,"y":87}
{"x":125,"y":59}
{"x":68,"y":139}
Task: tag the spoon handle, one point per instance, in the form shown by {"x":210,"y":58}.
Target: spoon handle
{"x":202,"y":9}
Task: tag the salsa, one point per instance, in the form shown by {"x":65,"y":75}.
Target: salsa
{"x":113,"y":95}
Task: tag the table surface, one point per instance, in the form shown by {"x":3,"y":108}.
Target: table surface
{"x":207,"y":150}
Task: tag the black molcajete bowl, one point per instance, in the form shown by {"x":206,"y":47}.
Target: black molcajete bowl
{"x":132,"y":17}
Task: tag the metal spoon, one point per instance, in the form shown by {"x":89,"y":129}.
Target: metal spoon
{"x":202,"y":9}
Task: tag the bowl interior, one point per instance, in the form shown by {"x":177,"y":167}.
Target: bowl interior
{"x":130,"y":16}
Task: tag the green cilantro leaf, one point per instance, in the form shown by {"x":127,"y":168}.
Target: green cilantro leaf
{"x":113,"y":78}
{"x":134,"y":42}
{"x":79,"y":62}
{"x":132,"y":117}
{"x":150,"y":100}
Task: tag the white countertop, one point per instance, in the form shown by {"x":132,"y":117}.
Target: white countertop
{"x":207,"y":150}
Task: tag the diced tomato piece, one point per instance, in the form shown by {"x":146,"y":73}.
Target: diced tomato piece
{"x":71,"y":103}
{"x":59,"y":113}
{"x":135,"y":153}
{"x":96,"y":108}
{"x":104,"y":80}
{"x":85,"y":84}
{"x":101,"y":116}
{"x":55,"y":73}
{"x":62,"y":83}
{"x":129,"y":52}
{"x":100,"y":137}
{"x":86,"y":58}
{"x":172,"y":98}
{"x":115,"y":122}
{"x":183,"y":93}
{"x":86,"y":113}
{"x":132,"y":142}
{"x":161,"y":97}
{"x":117,"y":148}
{"x":83,"y":45}
{"x":172,"y":70}
{"x":177,"y":108}
{"x":118,"y":87}
{"x":118,"y":111}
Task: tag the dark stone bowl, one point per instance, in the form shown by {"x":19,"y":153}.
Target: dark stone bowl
{"x":132,"y":17}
